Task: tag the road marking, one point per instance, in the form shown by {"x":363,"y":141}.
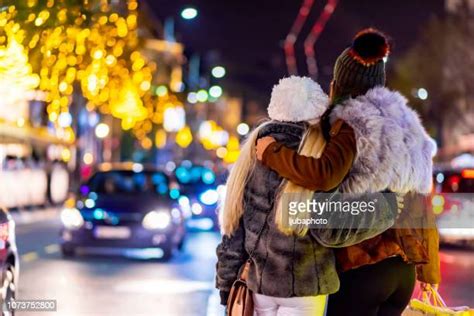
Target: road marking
{"x":50,"y":249}
{"x":29,"y":256}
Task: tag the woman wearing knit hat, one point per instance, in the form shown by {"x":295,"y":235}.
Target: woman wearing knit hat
{"x":275,"y":261}
{"x":393,"y":153}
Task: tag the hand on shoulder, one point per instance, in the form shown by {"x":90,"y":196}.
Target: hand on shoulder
{"x":262,"y":144}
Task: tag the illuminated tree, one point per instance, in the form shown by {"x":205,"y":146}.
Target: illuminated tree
{"x":86,"y":44}
{"x":16,"y":76}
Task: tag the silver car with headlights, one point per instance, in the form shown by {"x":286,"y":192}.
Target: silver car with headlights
{"x":124,"y":209}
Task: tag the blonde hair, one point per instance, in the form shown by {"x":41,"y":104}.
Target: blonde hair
{"x":230,"y":213}
{"x":312,"y":145}
{"x":233,"y":208}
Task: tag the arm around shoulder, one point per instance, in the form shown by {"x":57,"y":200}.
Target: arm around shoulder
{"x":318,"y":174}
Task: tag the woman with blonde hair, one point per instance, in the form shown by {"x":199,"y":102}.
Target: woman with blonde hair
{"x":394,"y":153}
{"x":290,"y":272}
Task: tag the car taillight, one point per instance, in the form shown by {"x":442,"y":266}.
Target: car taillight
{"x":4,"y":231}
{"x":452,"y":184}
{"x":454,"y":180}
{"x":468,"y":173}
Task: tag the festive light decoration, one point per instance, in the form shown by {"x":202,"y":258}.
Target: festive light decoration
{"x":212,"y":135}
{"x":16,"y":77}
{"x":232,"y":150}
{"x":160,"y":139}
{"x":161,"y":111}
{"x":316,"y":30}
{"x":290,"y":40}
{"x":314,"y":35}
{"x":17,"y":80}
{"x":174,"y":119}
{"x":90,"y":48}
{"x":184,"y":137}
{"x":83,"y":44}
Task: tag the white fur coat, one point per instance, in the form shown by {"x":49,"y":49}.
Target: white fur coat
{"x":393,"y":149}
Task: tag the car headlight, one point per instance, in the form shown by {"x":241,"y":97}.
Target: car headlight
{"x":72,"y":218}
{"x":157,"y":220}
{"x":209,"y":197}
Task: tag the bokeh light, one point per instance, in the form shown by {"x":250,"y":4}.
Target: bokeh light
{"x":102,"y":130}
{"x":189,"y":13}
{"x":218,"y":72}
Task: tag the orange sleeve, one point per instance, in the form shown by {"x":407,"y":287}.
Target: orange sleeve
{"x":318,"y":174}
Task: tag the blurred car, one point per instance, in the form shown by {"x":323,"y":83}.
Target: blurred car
{"x":9,"y":259}
{"x":453,"y":203}
{"x":201,"y":188}
{"x":124,"y":209}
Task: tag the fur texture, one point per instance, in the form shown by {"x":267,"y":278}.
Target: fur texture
{"x":297,"y":99}
{"x":393,"y":149}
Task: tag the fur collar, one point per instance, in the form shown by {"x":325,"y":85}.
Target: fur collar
{"x":297,"y":99}
{"x":394,"y":151}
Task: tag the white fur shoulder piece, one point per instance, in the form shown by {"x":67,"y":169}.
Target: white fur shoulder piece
{"x":296,"y":99}
{"x":393,"y":149}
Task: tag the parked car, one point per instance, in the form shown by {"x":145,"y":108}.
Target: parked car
{"x":31,"y":177}
{"x":453,"y":203}
{"x":9,"y":260}
{"x":125,"y":209}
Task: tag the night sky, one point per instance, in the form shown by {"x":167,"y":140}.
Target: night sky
{"x":246,"y":36}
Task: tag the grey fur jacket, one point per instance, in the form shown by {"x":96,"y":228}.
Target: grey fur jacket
{"x":283,"y":266}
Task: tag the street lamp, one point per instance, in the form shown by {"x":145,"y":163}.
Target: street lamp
{"x":422,"y":94}
{"x":243,"y":129}
{"x":189,"y":13}
{"x":215,"y":91}
{"x":202,"y":95}
{"x":218,"y":72}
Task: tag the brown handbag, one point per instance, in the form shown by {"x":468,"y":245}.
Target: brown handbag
{"x":240,"y":301}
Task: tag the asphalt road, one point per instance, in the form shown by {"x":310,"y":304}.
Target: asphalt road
{"x":95,"y":285}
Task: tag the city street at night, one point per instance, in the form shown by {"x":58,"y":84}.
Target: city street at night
{"x":211,"y":158}
{"x":112,"y":285}
{"x":105,"y":285}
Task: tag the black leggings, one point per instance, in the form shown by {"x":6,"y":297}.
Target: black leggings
{"x":380,"y":289}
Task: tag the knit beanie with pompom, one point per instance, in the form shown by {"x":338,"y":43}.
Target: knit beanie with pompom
{"x":361,"y":66}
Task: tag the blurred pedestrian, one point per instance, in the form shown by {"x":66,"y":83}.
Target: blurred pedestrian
{"x":394,"y":154}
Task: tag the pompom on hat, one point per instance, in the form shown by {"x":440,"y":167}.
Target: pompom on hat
{"x":361,"y":66}
{"x":369,"y":47}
